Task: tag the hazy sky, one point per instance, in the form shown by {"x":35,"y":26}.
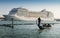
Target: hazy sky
{"x":33,"y":5}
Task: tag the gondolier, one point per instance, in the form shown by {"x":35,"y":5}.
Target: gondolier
{"x":39,"y":22}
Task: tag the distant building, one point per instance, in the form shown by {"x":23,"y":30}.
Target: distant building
{"x":57,"y":19}
{"x":26,"y":13}
{"x":2,"y":18}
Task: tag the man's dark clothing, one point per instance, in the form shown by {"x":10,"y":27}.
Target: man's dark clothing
{"x":39,"y":20}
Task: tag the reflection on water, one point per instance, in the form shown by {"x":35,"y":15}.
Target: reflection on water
{"x":29,"y":31}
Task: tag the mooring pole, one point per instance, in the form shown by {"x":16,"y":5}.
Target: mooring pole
{"x":12,"y":29}
{"x":12,"y":24}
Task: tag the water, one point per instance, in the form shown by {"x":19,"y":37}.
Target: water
{"x":30,"y":31}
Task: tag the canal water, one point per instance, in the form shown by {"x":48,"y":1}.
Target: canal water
{"x":30,"y":31}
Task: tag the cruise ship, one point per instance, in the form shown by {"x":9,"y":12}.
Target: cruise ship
{"x":23,"y":14}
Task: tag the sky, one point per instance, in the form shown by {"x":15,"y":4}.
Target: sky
{"x":32,"y":5}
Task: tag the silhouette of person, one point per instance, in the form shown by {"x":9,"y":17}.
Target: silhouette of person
{"x":39,"y":21}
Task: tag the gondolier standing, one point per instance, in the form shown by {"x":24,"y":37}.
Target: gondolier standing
{"x":39,"y":22}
